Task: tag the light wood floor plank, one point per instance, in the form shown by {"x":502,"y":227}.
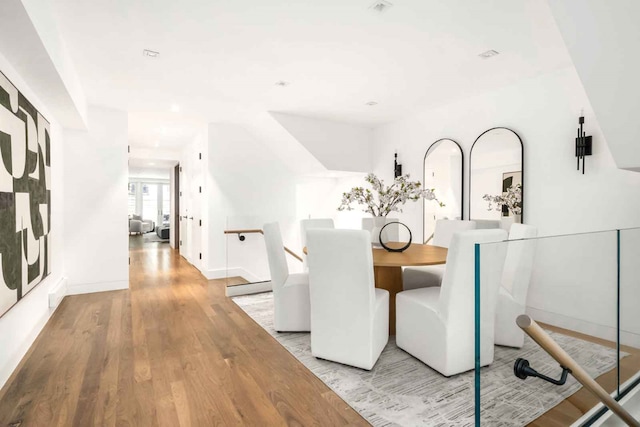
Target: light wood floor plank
{"x":174,"y":351}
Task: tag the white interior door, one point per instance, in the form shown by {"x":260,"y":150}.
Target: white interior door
{"x":196,"y":211}
{"x":184,"y":214}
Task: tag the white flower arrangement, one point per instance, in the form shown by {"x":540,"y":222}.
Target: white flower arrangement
{"x":512,"y":199}
{"x":389,"y":199}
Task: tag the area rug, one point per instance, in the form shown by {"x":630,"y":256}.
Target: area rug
{"x":402,"y":391}
{"x":153,"y":237}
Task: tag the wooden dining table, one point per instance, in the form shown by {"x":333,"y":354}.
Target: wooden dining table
{"x":387,"y":268}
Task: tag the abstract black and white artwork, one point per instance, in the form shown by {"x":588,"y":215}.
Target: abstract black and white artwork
{"x":25,"y":196}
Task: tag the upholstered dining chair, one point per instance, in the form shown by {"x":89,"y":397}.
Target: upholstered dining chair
{"x":308,"y":224}
{"x":349,"y":316}
{"x":436,"y":324}
{"x":423,"y":277}
{"x":290,"y":291}
{"x":512,"y":299}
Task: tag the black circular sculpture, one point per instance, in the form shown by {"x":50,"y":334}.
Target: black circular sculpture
{"x":402,"y":249}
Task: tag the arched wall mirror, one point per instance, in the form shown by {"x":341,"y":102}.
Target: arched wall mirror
{"x":443,"y":169}
{"x":496,"y":178}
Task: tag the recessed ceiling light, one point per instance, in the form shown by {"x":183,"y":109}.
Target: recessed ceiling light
{"x":380,"y":6}
{"x":489,"y":54}
{"x":151,"y":164}
{"x":157,"y":144}
{"x":282,"y":83}
{"x":175,"y":108}
{"x":150,"y":53}
{"x":371,"y":103}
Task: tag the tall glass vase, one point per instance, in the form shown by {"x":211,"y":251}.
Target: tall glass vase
{"x":378,"y":223}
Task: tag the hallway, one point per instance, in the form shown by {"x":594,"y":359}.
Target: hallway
{"x":171,"y":351}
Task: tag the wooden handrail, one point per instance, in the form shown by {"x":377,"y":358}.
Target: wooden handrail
{"x":428,"y":239}
{"x":547,"y":343}
{"x":247,"y":231}
{"x":258,"y":231}
{"x":293,"y":254}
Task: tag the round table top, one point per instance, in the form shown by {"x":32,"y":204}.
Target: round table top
{"x":414,"y":255}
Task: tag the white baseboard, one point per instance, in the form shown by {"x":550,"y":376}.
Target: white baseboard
{"x":22,"y":348}
{"x":57,"y":293}
{"x":222,"y":273}
{"x":631,"y":402}
{"x":585,"y":327}
{"x":87,"y":288}
{"x":249,"y":288}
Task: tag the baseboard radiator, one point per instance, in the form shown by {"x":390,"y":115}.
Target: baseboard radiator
{"x":58,"y":292}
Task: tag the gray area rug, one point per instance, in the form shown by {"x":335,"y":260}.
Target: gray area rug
{"x":153,"y":237}
{"x":402,"y":391}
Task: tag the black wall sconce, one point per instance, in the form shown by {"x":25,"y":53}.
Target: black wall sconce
{"x":397,"y":167}
{"x":583,"y":144}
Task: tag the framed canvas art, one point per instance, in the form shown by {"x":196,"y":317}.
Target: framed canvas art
{"x":25,"y":196}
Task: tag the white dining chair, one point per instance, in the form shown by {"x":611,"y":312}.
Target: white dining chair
{"x":308,"y":224}
{"x":437,"y":324}
{"x":349,"y":316}
{"x":424,"y":277}
{"x":290,"y":291}
{"x":512,"y":299}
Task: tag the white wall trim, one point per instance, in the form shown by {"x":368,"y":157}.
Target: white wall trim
{"x":87,"y":288}
{"x":223,"y":273}
{"x":249,"y":288}
{"x":625,"y":402}
{"x":57,"y":292}
{"x":24,"y":345}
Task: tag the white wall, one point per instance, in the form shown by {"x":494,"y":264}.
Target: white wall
{"x":338,"y":146}
{"x":140,"y":174}
{"x":557,"y":198}
{"x":95,"y":181}
{"x":245,"y":179}
{"x":544,"y":112}
{"x":29,"y":38}
{"x":600,"y":37}
{"x":21,"y":324}
{"x":248,"y":185}
{"x":44,"y":20}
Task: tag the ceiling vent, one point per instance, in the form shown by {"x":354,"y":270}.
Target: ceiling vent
{"x":150,"y":53}
{"x":380,"y":6}
{"x":488,"y":54}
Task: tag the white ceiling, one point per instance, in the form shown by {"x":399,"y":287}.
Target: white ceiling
{"x":219,"y":59}
{"x":161,"y":129}
{"x":151,"y":164}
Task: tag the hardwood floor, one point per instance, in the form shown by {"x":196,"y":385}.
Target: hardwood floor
{"x":579,"y":403}
{"x":174,"y":351}
{"x":171,"y":351}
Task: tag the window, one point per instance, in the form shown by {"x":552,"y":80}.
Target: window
{"x":166,"y":203}
{"x":131,"y":201}
{"x":150,"y":201}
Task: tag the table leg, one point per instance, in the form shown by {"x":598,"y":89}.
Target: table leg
{"x":389,"y":278}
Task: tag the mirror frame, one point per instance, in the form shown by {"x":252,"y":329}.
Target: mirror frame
{"x":424,"y":160}
{"x":521,"y":163}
